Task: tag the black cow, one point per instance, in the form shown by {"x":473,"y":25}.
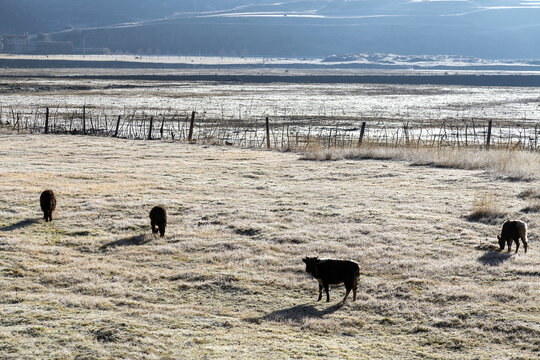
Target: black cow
{"x":513,"y":230}
{"x":330,"y":272}
{"x":158,"y":220}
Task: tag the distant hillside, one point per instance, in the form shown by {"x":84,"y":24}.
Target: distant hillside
{"x":16,"y":18}
{"x":54,"y":15}
{"x":494,"y":29}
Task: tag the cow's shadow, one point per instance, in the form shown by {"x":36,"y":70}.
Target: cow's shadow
{"x":128,"y":241}
{"x":19,"y":225}
{"x":297,"y":313}
{"x":494,"y":257}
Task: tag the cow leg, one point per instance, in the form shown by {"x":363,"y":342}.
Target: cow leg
{"x":162,"y":231}
{"x":524,"y":241}
{"x":348,"y":287}
{"x":355,"y":287}
{"x":154,"y":227}
{"x":509,"y":244}
{"x":348,"y":290}
{"x":327,"y":292}
{"x":517,"y":244}
{"x":320,"y":291}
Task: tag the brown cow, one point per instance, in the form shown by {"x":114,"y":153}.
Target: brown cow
{"x":47,"y":200}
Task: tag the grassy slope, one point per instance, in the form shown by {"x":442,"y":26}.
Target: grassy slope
{"x":228,"y":281}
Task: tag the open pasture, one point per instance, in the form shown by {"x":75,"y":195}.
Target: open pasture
{"x":227,"y":280}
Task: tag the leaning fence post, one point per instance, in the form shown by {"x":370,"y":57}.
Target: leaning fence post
{"x":190,"y":135}
{"x":361,"y":138}
{"x":490,"y":123}
{"x":117,"y":126}
{"x":150,"y":128}
{"x":267,"y":133}
{"x":84,"y":119}
{"x":46,"y":120}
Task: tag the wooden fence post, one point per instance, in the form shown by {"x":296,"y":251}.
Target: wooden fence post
{"x":406,"y":133}
{"x":117,"y":126}
{"x":490,"y":123}
{"x":150,"y":128}
{"x":362,"y":130}
{"x":161,"y":129}
{"x":46,"y":120}
{"x":190,"y":135}
{"x":84,"y":119}
{"x":535,"y":136}
{"x":267,"y":133}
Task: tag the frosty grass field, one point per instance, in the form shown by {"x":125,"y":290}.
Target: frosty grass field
{"x":227,"y":280}
{"x":321,"y":102}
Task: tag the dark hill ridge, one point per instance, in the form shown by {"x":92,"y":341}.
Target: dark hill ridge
{"x":54,"y":15}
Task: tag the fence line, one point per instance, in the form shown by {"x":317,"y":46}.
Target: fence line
{"x":260,"y":132}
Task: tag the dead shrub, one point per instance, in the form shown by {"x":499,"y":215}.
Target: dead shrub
{"x":485,"y":209}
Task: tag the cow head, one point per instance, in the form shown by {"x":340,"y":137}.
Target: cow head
{"x":311,"y":262}
{"x":501,"y":243}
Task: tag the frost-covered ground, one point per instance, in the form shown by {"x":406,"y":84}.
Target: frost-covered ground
{"x":169,"y":59}
{"x":438,"y":114}
{"x":324,"y":102}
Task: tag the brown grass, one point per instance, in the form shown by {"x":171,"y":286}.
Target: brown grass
{"x":530,"y":193}
{"x":535,"y":208}
{"x":228,"y":281}
{"x":513,"y":164}
{"x":486,"y":209}
{"x":533,"y":196}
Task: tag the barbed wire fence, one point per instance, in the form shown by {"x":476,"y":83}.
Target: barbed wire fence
{"x":281,"y":134}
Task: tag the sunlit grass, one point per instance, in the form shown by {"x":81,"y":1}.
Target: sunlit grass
{"x":516,"y":164}
{"x":228,"y":281}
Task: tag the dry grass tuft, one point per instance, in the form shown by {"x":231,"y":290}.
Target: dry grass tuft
{"x":531,"y":209}
{"x":486,"y":209}
{"x":530,"y":193}
{"x":513,"y":164}
{"x":533,"y":196}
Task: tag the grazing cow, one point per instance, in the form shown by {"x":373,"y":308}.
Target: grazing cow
{"x":513,"y":230}
{"x":158,"y":220}
{"x":328,"y":272}
{"x":47,"y":200}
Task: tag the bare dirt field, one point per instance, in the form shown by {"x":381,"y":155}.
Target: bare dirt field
{"x":228,"y":281}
